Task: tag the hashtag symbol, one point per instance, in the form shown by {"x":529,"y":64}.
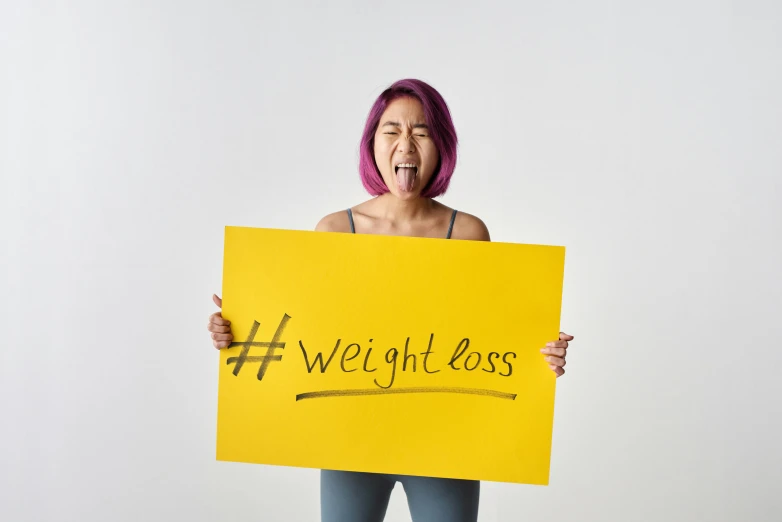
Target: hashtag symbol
{"x":244,"y":356}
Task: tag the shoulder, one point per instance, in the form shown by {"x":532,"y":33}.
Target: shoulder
{"x":334,"y":222}
{"x":469,"y":227}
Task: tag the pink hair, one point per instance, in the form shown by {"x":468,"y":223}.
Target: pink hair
{"x":441,"y":129}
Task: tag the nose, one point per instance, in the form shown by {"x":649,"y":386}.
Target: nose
{"x":406,"y":144}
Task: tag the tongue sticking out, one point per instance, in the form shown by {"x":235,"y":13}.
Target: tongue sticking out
{"x":405,"y":177}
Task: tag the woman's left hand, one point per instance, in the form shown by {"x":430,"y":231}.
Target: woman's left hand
{"x":556,"y":352}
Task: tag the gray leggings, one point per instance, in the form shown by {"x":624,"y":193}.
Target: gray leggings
{"x":347,"y":496}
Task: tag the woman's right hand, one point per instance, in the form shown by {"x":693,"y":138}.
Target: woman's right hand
{"x":220,"y":328}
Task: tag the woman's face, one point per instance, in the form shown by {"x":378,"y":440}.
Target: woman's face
{"x":404,"y":151}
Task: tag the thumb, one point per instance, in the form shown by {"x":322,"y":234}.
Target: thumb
{"x":217,"y":300}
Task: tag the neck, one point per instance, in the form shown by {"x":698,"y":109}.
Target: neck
{"x":394,"y":209}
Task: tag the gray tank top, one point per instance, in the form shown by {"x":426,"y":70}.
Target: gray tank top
{"x":450,"y":227}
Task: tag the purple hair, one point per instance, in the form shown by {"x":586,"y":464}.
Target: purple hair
{"x":441,"y":129}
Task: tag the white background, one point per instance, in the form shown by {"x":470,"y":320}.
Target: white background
{"x":646,"y":137}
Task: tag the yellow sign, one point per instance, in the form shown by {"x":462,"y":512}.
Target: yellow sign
{"x":389,"y":354}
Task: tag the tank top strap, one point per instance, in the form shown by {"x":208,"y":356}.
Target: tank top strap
{"x":352,"y":226}
{"x":450,"y":227}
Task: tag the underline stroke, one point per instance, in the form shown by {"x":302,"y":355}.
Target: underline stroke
{"x":421,"y":389}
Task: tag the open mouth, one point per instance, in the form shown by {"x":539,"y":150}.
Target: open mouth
{"x":406,"y":174}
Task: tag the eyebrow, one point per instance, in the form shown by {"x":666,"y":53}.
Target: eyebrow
{"x":415,"y":126}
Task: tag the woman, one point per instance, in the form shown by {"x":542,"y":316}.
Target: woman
{"x":408,"y":154}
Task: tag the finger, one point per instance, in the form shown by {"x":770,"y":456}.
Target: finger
{"x":216,"y":328}
{"x":559,"y":352}
{"x":557,"y":361}
{"x":557,"y":344}
{"x":221,"y":344}
{"x":556,"y":369}
{"x":217,"y":318}
{"x":222,"y":337}
{"x":565,"y":337}
{"x":217,"y":301}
